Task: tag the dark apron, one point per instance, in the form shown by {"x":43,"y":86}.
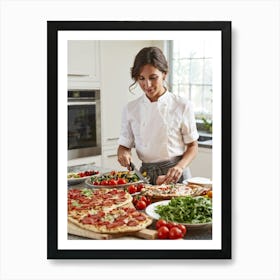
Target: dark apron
{"x":155,"y":169}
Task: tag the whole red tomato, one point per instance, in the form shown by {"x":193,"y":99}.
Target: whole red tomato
{"x":141,"y":205}
{"x":144,"y":198}
{"x":140,"y":187}
{"x":135,"y":200}
{"x":175,"y":233}
{"x":121,"y":181}
{"x":163,"y":232}
{"x":112,"y":182}
{"x":161,"y":223}
{"x":132,"y":189}
{"x":171,"y":225}
{"x":148,"y":201}
{"x":182,"y":228}
{"x":104,"y":183}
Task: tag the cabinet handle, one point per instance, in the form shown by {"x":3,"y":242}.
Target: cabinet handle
{"x":110,"y":139}
{"x":112,"y":155}
{"x":77,"y":75}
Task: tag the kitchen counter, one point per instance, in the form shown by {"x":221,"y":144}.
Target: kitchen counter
{"x":204,"y":233}
{"x":192,"y":234}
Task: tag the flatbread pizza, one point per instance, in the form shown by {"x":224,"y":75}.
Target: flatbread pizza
{"x":105,"y":211}
{"x":119,"y":220}
{"x":166,"y":192}
{"x":100,"y":199}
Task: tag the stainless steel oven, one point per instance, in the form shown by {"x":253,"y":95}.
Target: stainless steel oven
{"x":84,"y":127}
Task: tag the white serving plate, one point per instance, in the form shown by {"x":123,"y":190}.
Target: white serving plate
{"x":205,"y":182}
{"x":150,"y":210}
{"x":75,"y":181}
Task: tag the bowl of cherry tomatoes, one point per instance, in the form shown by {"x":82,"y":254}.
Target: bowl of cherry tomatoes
{"x":80,"y":176}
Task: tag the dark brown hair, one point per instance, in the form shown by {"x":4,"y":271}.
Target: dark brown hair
{"x":148,"y":55}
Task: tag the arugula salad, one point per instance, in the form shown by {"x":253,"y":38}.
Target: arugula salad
{"x":187,"y":209}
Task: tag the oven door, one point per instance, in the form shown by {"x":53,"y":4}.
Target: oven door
{"x":84,"y":133}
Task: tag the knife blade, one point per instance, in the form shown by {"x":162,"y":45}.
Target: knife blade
{"x":138,"y":173}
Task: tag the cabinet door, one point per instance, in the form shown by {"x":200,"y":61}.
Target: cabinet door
{"x":83,"y":62}
{"x":201,"y":166}
{"x":110,"y":160}
{"x":116,"y":60}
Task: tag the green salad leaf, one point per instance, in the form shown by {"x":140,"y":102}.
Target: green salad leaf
{"x":187,"y":209}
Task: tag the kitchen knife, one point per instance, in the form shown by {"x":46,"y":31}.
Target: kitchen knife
{"x":138,"y":173}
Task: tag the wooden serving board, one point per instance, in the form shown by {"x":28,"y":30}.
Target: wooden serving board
{"x":76,"y":230}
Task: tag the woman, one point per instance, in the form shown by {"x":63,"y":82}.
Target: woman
{"x":160,"y":125}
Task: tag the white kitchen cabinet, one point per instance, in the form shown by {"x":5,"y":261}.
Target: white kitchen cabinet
{"x":83,"y":64}
{"x":94,"y":160}
{"x":116,"y":60}
{"x":110,"y":157}
{"x":110,"y":160}
{"x":201,"y":166}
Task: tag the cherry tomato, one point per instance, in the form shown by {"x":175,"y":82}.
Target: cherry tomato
{"x":175,"y":233}
{"x":148,"y":201}
{"x":182,"y":228}
{"x":121,"y":181}
{"x":163,"y":232}
{"x":209,"y":194}
{"x":140,"y":187}
{"x":132,"y":189}
{"x":104,"y":183}
{"x":135,"y":199}
{"x":161,"y":223}
{"x":171,"y":225}
{"x":112,"y":182}
{"x":141,"y":205}
{"x":144,"y":198}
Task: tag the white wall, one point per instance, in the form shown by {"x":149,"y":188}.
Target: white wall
{"x":255,"y":164}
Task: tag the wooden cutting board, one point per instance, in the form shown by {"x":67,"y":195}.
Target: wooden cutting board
{"x":144,"y":233}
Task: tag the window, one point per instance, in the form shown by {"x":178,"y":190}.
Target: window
{"x":190,"y":63}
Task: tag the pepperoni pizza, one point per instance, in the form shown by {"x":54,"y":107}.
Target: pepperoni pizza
{"x":104,"y":211}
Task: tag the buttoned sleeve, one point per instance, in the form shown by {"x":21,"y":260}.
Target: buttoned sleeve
{"x":126,"y":138}
{"x":189,"y":129}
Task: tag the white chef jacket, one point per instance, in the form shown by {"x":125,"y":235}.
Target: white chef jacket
{"x":158,"y":130}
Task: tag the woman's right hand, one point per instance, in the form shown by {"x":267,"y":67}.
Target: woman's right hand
{"x":124,"y":156}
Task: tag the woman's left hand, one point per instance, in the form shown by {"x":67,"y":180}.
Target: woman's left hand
{"x":173,"y":175}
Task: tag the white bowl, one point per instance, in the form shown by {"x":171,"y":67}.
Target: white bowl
{"x":206,"y":182}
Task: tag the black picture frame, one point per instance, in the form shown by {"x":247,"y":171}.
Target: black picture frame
{"x":53,"y":27}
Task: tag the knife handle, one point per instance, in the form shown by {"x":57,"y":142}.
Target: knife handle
{"x":132,"y":166}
